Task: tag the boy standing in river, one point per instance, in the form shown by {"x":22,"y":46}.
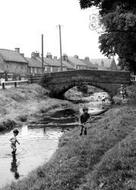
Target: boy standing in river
{"x":14,"y":140}
{"x":83,"y":119}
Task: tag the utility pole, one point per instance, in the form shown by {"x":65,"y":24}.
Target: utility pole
{"x":42,"y":52}
{"x":60,"y":47}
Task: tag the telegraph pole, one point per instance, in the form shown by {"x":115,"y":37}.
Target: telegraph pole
{"x":60,"y":47}
{"x":42,"y":52}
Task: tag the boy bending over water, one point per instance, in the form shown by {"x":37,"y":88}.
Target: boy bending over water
{"x":14,"y":140}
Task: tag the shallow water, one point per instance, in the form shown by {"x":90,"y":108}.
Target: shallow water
{"x":38,"y":141}
{"x":36,"y":147}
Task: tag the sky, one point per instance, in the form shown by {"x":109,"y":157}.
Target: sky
{"x":23,"y":22}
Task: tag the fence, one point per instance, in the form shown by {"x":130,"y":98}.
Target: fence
{"x":13,"y":83}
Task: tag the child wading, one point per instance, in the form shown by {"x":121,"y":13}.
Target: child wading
{"x":83,"y":119}
{"x":14,"y":140}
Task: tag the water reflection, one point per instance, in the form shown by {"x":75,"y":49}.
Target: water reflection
{"x":36,"y":147}
{"x":44,"y":130}
{"x":91,"y":94}
{"x":14,"y":166}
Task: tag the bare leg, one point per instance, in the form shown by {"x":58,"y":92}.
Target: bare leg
{"x":82,"y":128}
{"x":85,"y":131}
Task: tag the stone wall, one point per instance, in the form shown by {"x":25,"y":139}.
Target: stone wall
{"x":58,"y":83}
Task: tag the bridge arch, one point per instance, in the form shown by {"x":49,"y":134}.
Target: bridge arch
{"x":109,"y":81}
{"x":79,"y":83}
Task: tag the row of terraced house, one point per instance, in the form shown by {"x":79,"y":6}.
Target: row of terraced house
{"x":14,"y":63}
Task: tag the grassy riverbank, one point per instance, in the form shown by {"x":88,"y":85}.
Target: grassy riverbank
{"x":21,"y":104}
{"x":104,"y":159}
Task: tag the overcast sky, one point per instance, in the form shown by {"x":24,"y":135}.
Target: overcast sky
{"x":23,"y":22}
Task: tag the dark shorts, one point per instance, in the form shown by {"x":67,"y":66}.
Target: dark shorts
{"x":13,"y":146}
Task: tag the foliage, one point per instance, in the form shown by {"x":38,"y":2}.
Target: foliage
{"x":119,"y":20}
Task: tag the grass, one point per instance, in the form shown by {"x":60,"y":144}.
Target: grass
{"x":21,"y":105}
{"x":104,"y":159}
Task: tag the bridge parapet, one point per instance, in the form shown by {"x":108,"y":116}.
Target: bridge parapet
{"x":58,"y":83}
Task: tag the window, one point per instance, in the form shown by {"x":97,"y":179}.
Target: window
{"x":31,"y":70}
{"x":35,"y":70}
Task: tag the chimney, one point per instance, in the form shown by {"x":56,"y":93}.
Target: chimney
{"x":76,"y":56}
{"x":55,"y":57}
{"x":87,"y":59}
{"x":17,"y":50}
{"x":35,"y":54}
{"x":65,"y":57}
{"x":49,"y":55}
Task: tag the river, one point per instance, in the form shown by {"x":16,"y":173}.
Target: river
{"x":36,"y":147}
{"x":37,"y":144}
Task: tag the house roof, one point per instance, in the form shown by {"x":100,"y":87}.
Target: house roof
{"x":88,"y":63}
{"x":98,"y":62}
{"x":57,"y":62}
{"x":34,"y":62}
{"x":76,"y":61}
{"x":12,"y":56}
{"x":68,"y":65}
{"x":51,"y":62}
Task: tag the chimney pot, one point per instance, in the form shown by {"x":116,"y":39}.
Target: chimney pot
{"x":49,"y":55}
{"x":65,"y":57}
{"x":55,"y":57}
{"x":35,"y":54}
{"x":87,"y":59}
{"x":17,"y":50}
{"x":76,"y":56}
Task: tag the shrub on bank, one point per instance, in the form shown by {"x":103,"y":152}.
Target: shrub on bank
{"x":131,"y":92}
{"x":130,"y":96}
{"x":7,"y":125}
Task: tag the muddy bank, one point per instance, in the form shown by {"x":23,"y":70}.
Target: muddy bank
{"x":25,"y":104}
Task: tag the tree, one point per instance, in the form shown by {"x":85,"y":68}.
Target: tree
{"x":119,"y":37}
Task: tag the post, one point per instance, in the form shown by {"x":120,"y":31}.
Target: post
{"x":15,"y":84}
{"x":3,"y":85}
{"x":42,"y":53}
{"x":60,"y":47}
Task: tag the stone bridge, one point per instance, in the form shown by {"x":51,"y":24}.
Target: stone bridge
{"x":58,"y":83}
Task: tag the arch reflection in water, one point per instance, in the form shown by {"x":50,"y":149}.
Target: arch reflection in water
{"x":14,"y":166}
